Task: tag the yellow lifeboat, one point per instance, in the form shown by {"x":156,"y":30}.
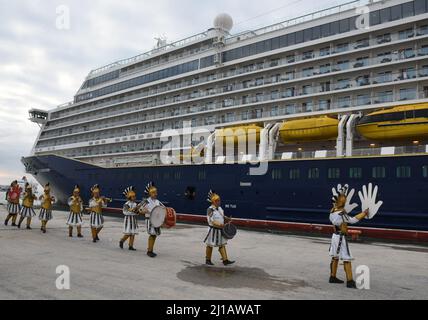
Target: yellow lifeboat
{"x":403,"y":122}
{"x":310,"y":129}
{"x":240,"y":133}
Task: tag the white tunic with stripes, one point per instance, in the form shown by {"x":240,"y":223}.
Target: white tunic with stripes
{"x":97,"y":219}
{"x":150,"y":204}
{"x":130,"y":222}
{"x":74,"y":218}
{"x":13,"y":208}
{"x":45,"y":214}
{"x":339,"y":247}
{"x":27,"y":212}
{"x":215,"y":237}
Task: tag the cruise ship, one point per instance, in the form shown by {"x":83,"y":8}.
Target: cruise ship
{"x":335,"y":96}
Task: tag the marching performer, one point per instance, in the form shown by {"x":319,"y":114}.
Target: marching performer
{"x":130,"y":223}
{"x":339,"y":249}
{"x":13,"y":207}
{"x":216,"y":220}
{"x":96,"y":205}
{"x":75,"y":203}
{"x":27,"y":210}
{"x":147,"y":207}
{"x":46,"y":207}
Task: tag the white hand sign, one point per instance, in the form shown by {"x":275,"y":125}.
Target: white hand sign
{"x":368,"y":200}
{"x":349,"y":207}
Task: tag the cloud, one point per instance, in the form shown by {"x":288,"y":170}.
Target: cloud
{"x":43,"y":66}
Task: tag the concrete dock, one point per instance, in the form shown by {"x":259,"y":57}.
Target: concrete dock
{"x":269,"y":266}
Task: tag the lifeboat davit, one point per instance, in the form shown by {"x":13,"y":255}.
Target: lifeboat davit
{"x":403,"y":122}
{"x":240,"y":133}
{"x":310,"y":129}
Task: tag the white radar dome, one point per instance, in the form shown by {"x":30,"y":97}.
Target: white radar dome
{"x":224,"y":22}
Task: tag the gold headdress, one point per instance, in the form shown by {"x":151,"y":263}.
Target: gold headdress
{"x":95,"y":189}
{"x":47,"y":188}
{"x":129,"y":192}
{"x":150,"y":188}
{"x":340,"y":193}
{"x":76,"y":189}
{"x":28,"y":187}
{"x":212,"y":197}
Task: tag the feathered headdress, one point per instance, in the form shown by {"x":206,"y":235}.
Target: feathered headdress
{"x":340,"y":191}
{"x":129,"y":192}
{"x":212,"y":196}
{"x":28,"y":186}
{"x":150,"y":188}
{"x":95,"y":188}
{"x":76,"y":188}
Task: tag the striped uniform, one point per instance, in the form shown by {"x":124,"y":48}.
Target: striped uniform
{"x":75,"y":216}
{"x":150,"y":204}
{"x":45,"y":214}
{"x":339,"y":248}
{"x":13,"y":208}
{"x":97,"y":218}
{"x":215,"y":237}
{"x":130,"y":222}
{"x":27,"y":212}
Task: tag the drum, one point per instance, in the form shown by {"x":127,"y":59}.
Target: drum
{"x":229,"y":231}
{"x":157,"y":216}
{"x":171,"y":218}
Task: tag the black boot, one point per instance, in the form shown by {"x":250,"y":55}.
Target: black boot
{"x":151,"y":254}
{"x":121,"y":244}
{"x":14,"y":224}
{"x":79,"y":235}
{"x":228,"y":262}
{"x":132,"y":249}
{"x":6,"y":222}
{"x":209,"y":262}
{"x":335,"y":280}
{"x":29,"y":228}
{"x":351,"y":284}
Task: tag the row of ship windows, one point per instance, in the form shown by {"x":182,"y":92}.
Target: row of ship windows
{"x":401,"y":172}
{"x":336,"y":27}
{"x":402,"y":94}
{"x":276,"y":78}
{"x":311,"y":105}
{"x":342,"y":26}
{"x":325,"y":51}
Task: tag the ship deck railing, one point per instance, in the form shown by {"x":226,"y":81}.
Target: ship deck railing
{"x":275,"y":63}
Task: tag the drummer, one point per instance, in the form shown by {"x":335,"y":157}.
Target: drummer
{"x":216,"y":220}
{"x":147,"y":206}
{"x":130,"y":223}
{"x":96,"y":205}
{"x":13,"y":207}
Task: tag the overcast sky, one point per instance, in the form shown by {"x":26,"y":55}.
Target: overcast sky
{"x":43,"y":66}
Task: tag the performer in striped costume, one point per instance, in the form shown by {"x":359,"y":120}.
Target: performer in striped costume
{"x":339,"y":249}
{"x":147,"y":206}
{"x":216,"y":220}
{"x":27,"y":210}
{"x":75,"y":203}
{"x":130,"y":222}
{"x":13,"y":207}
{"x":46,"y":207}
{"x":96,"y":205}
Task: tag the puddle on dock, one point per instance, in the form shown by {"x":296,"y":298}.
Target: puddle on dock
{"x":237,"y":277}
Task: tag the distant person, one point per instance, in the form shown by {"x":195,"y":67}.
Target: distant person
{"x":46,"y":207}
{"x":13,"y":195}
{"x":27,"y":210}
{"x":216,"y":221}
{"x":75,"y":203}
{"x":130,"y":223}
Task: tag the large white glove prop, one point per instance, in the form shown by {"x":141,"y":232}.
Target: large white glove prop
{"x":349,"y":207}
{"x":368,"y":200}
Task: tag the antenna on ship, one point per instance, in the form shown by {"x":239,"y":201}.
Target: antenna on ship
{"x":223,"y":24}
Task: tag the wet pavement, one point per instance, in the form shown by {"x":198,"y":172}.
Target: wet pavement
{"x":269,"y":266}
